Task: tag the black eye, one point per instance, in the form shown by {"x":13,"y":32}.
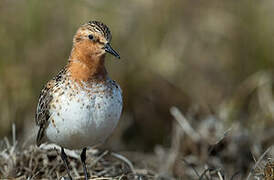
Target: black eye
{"x":90,"y":37}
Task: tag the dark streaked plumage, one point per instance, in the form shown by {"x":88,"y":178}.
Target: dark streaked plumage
{"x":42,"y":112}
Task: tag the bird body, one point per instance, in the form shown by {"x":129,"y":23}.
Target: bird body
{"x":81,"y":106}
{"x":83,"y":115}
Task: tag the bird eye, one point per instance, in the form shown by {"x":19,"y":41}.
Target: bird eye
{"x":90,"y":37}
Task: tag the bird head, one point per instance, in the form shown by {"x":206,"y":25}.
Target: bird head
{"x":94,"y":39}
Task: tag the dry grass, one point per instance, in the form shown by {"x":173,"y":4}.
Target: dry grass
{"x":45,"y":163}
{"x":208,"y":151}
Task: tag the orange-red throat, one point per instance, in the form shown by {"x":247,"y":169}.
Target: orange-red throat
{"x":87,"y":62}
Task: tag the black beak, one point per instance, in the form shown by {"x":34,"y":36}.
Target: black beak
{"x":109,"y":49}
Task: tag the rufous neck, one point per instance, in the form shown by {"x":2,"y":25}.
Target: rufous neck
{"x":84,"y":66}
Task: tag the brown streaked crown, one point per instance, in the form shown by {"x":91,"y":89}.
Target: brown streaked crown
{"x":96,"y":28}
{"x":99,"y":27}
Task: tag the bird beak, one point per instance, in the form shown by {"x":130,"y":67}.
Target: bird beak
{"x":109,"y":49}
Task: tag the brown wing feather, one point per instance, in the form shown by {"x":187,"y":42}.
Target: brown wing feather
{"x":42,"y":112}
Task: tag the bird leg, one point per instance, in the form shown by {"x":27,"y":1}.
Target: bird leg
{"x":83,"y":160}
{"x":65,"y":160}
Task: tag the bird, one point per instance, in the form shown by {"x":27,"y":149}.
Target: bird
{"x":81,"y":106}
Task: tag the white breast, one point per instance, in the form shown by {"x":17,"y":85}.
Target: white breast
{"x":84,"y":117}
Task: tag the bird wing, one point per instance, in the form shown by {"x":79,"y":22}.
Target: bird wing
{"x":42,"y":112}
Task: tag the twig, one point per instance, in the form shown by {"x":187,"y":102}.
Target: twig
{"x":204,"y":174}
{"x":170,"y":158}
{"x":98,"y":158}
{"x":220,"y":175}
{"x":119,"y":156}
{"x":69,"y":152}
{"x":257,"y":163}
{"x":14,"y":134}
{"x":175,"y":112}
{"x":196,"y":172}
{"x":105,"y":171}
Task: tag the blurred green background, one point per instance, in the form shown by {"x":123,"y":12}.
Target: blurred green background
{"x":205,"y":57}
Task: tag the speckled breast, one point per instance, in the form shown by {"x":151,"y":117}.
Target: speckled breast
{"x":84,"y":115}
